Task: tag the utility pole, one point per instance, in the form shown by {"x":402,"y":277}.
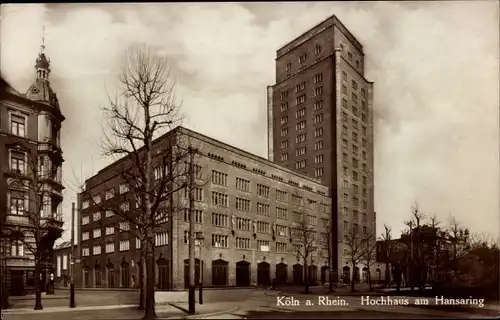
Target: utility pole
{"x":191,"y":234}
{"x":72,"y":262}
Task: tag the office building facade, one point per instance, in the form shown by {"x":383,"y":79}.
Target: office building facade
{"x":320,"y":118}
{"x":246,"y":211}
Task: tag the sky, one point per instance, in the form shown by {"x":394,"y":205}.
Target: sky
{"x":435,"y":66}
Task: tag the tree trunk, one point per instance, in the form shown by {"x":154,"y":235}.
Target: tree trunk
{"x":149,"y":312}
{"x":369,"y":278}
{"x":387,"y":275}
{"x":141,"y":278}
{"x":38,"y":283}
{"x":306,"y":276}
{"x":352,"y":278}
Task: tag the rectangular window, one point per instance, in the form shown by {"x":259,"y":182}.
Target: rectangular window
{"x":17,"y":162}
{"x":110,"y":247}
{"x":85,"y":204}
{"x":220,"y":220}
{"x":354,"y":85}
{"x":242,"y":243}
{"x":318,"y":172}
{"x":318,"y":77}
{"x":281,"y":247}
{"x":344,"y":76}
{"x":281,"y":196}
{"x":288,"y":66}
{"x":299,"y":87}
{"x":354,"y":98}
{"x":284,"y":132}
{"x":264,"y":245}
{"x":242,"y":204}
{"x":318,"y":105}
{"x":198,"y":215}
{"x":363,"y":93}
{"x":349,"y":56}
{"x":284,"y":144}
{"x":109,"y":194}
{"x":85,"y":220}
{"x":344,"y":89}
{"x":18,"y":125}
{"x":97,"y":233}
{"x":318,"y":158}
{"x":219,"y":241}
{"x":297,"y":200}
{"x":284,"y":156}
{"x":317,"y":49}
{"x":17,"y":202}
{"x":124,"y":226}
{"x":300,"y":113}
{"x":300,"y":151}
{"x":110,"y":230}
{"x":303,"y":58}
{"x":300,"y":138}
{"x":243,"y":224}
{"x":284,"y":120}
{"x":318,"y":118}
{"x":263,"y":209}
{"x":263,"y":190}
{"x":96,"y":250}
{"x":124,"y":188}
{"x":161,"y":239}
{"x":312,"y":220}
{"x":85,"y":252}
{"x":344,"y":103}
{"x":283,"y":95}
{"x":318,"y":91}
{"x":284,"y":107}
{"x":281,"y":213}
{"x":242,"y":185}
{"x":300,"y":125}
{"x":318,"y":145}
{"x":219,"y":178}
{"x":318,"y":132}
{"x":124,"y":245}
{"x":300,"y":99}
{"x":300,"y":164}
{"x":219,"y":199}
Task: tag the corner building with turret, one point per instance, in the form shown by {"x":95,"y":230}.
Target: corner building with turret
{"x":245,"y":209}
{"x":320,"y":123}
{"x":30,"y":144}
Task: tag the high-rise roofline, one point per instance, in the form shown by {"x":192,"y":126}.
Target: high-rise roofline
{"x":325,"y":24}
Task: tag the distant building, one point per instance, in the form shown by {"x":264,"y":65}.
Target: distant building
{"x":245,"y":212}
{"x":29,"y":143}
{"x":62,"y":263}
{"x":320,"y":122}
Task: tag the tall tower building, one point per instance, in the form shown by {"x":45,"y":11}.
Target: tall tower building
{"x":321,"y":124}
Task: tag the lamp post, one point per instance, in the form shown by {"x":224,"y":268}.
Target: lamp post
{"x":200,"y":238}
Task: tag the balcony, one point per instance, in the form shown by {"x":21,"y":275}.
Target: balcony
{"x":19,"y":262}
{"x":17,"y":220}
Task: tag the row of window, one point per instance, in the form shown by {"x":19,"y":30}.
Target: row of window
{"x":355,"y":228}
{"x":161,"y":239}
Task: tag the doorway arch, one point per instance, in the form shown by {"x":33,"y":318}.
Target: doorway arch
{"x":242,"y":273}
{"x":281,"y":273}
{"x":263,"y":273}
{"x":219,"y":272}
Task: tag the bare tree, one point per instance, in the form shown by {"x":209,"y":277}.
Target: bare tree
{"x":354,"y":249}
{"x":145,"y":108}
{"x":368,"y":255}
{"x":326,"y":244}
{"x":387,"y":247}
{"x":304,"y":242}
{"x":31,"y":200}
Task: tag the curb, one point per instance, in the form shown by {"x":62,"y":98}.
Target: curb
{"x":202,"y":315}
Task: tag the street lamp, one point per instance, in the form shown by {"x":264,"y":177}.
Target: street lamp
{"x":200,"y":238}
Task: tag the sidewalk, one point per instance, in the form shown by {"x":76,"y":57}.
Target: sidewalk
{"x":44,"y":297}
{"x":163,"y":311}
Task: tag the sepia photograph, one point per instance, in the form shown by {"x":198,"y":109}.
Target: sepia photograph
{"x":250,"y":160}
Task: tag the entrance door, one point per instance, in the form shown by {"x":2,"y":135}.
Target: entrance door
{"x":281,"y":273}
{"x":324,"y":271}
{"x":16,"y":283}
{"x":125,"y":275}
{"x":298,"y":274}
{"x":263,"y":274}
{"x":242,"y":274}
{"x":219,"y":272}
{"x":163,"y":274}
